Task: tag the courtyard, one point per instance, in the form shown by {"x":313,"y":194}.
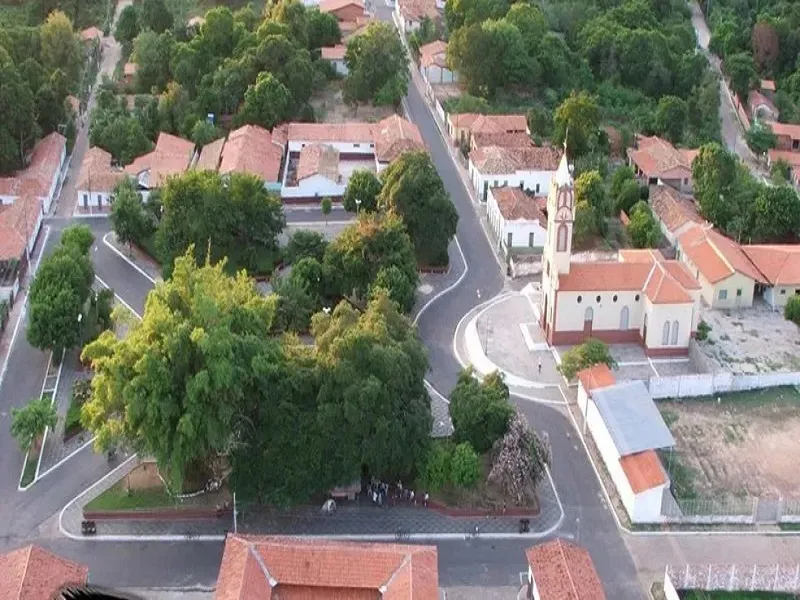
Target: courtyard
{"x":751,"y":340}
{"x":741,"y":444}
{"x":329,"y":106}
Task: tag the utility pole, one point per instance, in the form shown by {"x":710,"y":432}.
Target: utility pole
{"x":235,"y":528}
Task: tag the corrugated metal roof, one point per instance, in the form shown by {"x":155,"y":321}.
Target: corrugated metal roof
{"x":632,"y":418}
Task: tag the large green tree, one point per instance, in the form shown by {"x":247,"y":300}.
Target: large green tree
{"x":60,"y":47}
{"x":178,"y":385}
{"x":480,"y":410}
{"x":127,"y":25}
{"x":362,"y":191}
{"x":30,"y":421}
{"x":266,"y":103}
{"x":589,"y":353}
{"x":154,"y":14}
{"x":579,"y":118}
{"x":776,"y":214}
{"x":129,"y":220}
{"x":374,"y":409}
{"x":713,"y":176}
{"x":377,"y":66}
{"x":413,"y":189}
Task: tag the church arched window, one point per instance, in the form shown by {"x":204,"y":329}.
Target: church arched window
{"x":561,"y":239}
{"x":665,"y":334}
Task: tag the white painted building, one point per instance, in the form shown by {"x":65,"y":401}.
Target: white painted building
{"x":627,"y":429}
{"x":335,"y":56}
{"x":410,"y":13}
{"x":433,"y":64}
{"x":516,"y":218}
{"x":531,"y":169}
{"x":97,"y":180}
{"x":43,"y":175}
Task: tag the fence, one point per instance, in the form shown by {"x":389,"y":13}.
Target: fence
{"x":745,"y":510}
{"x":709,"y":384}
{"x":763,"y":578}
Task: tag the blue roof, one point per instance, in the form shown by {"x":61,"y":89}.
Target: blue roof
{"x":632,"y":418}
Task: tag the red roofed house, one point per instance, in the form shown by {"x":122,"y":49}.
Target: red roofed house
{"x":516,"y":218}
{"x":792,"y":159}
{"x":561,"y":570}
{"x":335,"y":56}
{"x":97,"y":180}
{"x":253,"y":149}
{"x":433,"y":65}
{"x":780,"y":266}
{"x":462,"y":126}
{"x":264,"y":568}
{"x":674,"y":211}
{"x":20,"y":224}
{"x":530,"y":168}
{"x":657,"y":162}
{"x":33,"y":573}
{"x":43,"y":175}
{"x":350,"y":14}
{"x":372,"y":146}
{"x":788,"y":136}
{"x":590,"y":379}
{"x":640,"y":298}
{"x":171,"y":156}
{"x":409,"y":14}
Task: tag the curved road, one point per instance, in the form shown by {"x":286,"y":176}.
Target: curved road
{"x":477,"y":563}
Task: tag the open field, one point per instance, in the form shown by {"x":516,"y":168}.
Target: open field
{"x":703,"y":595}
{"x":742,"y":444}
{"x":752,"y":340}
{"x":329,"y":107}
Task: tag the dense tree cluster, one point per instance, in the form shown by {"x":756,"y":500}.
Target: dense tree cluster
{"x":39,"y":67}
{"x":738,"y":204}
{"x":377,"y":66}
{"x":295,"y":419}
{"x":759,"y":40}
{"x":637,"y":57}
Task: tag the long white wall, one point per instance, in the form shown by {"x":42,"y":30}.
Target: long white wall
{"x":315,"y":186}
{"x":88,"y":200}
{"x":537,"y":182}
{"x":366,"y":147}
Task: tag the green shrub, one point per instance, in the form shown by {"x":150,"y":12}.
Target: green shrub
{"x":465,"y":466}
{"x":591,"y":352}
{"x":703,"y":330}
{"x":792,"y":310}
{"x":436,"y":471}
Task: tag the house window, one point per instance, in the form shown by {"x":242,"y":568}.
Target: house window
{"x":665,"y":334}
{"x":636,"y":297}
{"x":579,"y":299}
{"x":783,"y":292}
{"x":537,"y":188}
{"x":795,"y":144}
{"x":739,"y":293}
{"x":356,"y":145}
{"x":505,"y":183}
{"x":674,"y":340}
{"x":561,"y":242}
{"x":86,"y":201}
{"x":598,"y":299}
{"x":496,"y":182}
{"x":530,"y":239}
{"x":614,"y":298}
{"x":510,"y":238}
{"x":723,"y":294}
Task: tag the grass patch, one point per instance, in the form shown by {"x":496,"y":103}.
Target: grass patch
{"x":786,"y":395}
{"x":29,"y":471}
{"x":681,"y":475}
{"x":789,"y":526}
{"x":704,"y":595}
{"x":118,"y":497}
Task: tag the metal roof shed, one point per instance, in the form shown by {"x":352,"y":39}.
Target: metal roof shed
{"x":632,"y":418}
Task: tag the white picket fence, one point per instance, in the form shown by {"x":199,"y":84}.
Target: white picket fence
{"x":709,"y":384}
{"x":765,"y":578}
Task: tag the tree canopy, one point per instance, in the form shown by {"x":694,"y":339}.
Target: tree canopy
{"x":377,"y":66}
{"x":480,"y":411}
{"x":589,"y":353}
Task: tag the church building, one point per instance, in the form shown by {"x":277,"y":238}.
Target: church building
{"x":639,"y":298}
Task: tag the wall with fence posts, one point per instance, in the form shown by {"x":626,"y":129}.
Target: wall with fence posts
{"x":763,"y":578}
{"x":710,"y":384}
{"x":706,"y":511}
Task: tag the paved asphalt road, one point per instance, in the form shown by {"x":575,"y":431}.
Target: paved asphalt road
{"x":484,"y":563}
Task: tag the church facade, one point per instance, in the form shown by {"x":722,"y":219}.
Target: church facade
{"x":639,"y":298}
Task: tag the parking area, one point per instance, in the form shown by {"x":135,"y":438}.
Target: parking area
{"x":752,"y":340}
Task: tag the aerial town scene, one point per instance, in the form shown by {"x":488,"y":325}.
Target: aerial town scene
{"x":399,"y":299}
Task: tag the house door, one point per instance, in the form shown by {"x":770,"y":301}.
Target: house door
{"x":624,"y":317}
{"x":544,"y":318}
{"x":588,"y":317}
{"x":485,"y":190}
{"x":644,"y":331}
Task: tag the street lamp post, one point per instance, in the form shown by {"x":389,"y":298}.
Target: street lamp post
{"x":358,"y":205}
{"x":80,"y":318}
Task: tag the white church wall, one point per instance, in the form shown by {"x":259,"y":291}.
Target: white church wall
{"x":606,"y":314}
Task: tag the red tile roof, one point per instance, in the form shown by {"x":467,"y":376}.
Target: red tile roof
{"x":790,"y":158}
{"x":496,"y":160}
{"x":336,"y":52}
{"x":318,"y":159}
{"x":38,"y":176}
{"x":433,"y":54}
{"x":416,"y":10}
{"x":715,"y":256}
{"x":395,"y":135}
{"x":96,"y":174}
{"x":17,"y":225}
{"x":656,"y":157}
{"x":672,"y":208}
{"x":91,"y":33}
{"x":596,"y":377}
{"x":564,"y":571}
{"x":210,"y":156}
{"x":171,"y":156}
{"x":516,"y":205}
{"x":643,"y":470}
{"x":756,"y":98}
{"x":605,"y":276}
{"x":780,"y":264}
{"x":330,"y":132}
{"x":32,"y":573}
{"x":291,"y":568}
{"x":500,"y":124}
{"x":786,"y":129}
{"x":327,"y":6}
{"x":253,"y":149}
{"x":503,"y":139}
{"x":768,"y":85}
{"x":130,"y":69}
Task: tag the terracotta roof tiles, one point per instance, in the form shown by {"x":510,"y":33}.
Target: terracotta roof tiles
{"x":395,"y":135}
{"x":643,"y":470}
{"x":17,"y":225}
{"x":37,"y":178}
{"x":91,"y":33}
{"x":329,"y":132}
{"x":596,"y":377}
{"x":502,"y":139}
{"x":171,"y":156}
{"x":273,"y":567}
{"x":327,"y":6}
{"x":32,"y":573}
{"x":673,"y":209}
{"x":516,"y":205}
{"x":96,"y":173}
{"x":433,"y":54}
{"x":210,"y":155}
{"x":564,"y":571}
{"x":500,"y":124}
{"x":715,"y":256}
{"x":318,"y":159}
{"x":336,"y":52}
{"x":496,"y":160}
{"x":252,"y":149}
{"x":790,"y":158}
{"x":786,"y":129}
{"x":656,"y":157}
{"x":416,"y":10}
{"x":605,"y":276}
{"x":780,"y":264}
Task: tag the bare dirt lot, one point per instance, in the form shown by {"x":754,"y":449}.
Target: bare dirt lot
{"x":745,"y":444}
{"x":752,"y":340}
{"x":329,"y":107}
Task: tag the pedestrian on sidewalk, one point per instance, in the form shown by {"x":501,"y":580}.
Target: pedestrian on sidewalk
{"x":540,"y":365}
{"x":426,"y":499}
